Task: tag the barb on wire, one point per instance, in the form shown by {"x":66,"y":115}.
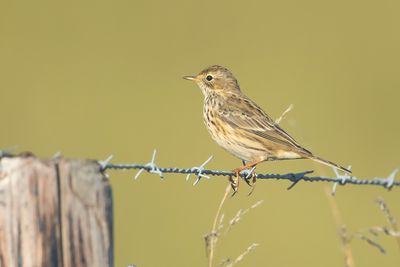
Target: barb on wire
{"x":199,"y":171}
{"x":248,"y":173}
{"x":151,"y":167}
{"x":343,"y":178}
{"x":388,"y":182}
{"x":390,"y":179}
{"x":103,"y":163}
{"x":297,"y":177}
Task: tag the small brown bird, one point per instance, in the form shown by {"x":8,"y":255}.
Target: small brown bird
{"x":241,"y":127}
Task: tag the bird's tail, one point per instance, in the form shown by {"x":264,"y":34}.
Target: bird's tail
{"x":328,"y":163}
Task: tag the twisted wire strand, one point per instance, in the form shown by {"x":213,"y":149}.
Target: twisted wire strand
{"x":293,"y":177}
{"x":388,"y":182}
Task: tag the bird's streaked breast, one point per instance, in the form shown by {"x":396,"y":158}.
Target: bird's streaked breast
{"x":233,"y":139}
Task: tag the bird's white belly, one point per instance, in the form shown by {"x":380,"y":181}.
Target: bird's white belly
{"x":244,"y":153}
{"x":243,"y":149}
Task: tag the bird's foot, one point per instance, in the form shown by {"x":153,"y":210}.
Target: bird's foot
{"x":250,"y":176}
{"x":250,"y":179}
{"x":234,"y":185}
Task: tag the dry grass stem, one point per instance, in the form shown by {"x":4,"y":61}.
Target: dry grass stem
{"x":391,"y":220}
{"x":344,"y":237}
{"x":211,"y":239}
{"x":278,"y":120}
{"x":228,"y":261}
{"x":369,"y":241}
{"x":239,"y":215}
{"x":376,"y":230}
{"x":374,"y":233}
{"x":225,"y":262}
{"x":221,"y":220}
{"x":368,"y":235}
{"x":241,"y":256}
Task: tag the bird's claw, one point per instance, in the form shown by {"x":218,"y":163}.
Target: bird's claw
{"x":234,"y":185}
{"x":250,"y":175}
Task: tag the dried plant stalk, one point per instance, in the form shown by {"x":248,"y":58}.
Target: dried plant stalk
{"x":344,"y":238}
{"x":212,"y":238}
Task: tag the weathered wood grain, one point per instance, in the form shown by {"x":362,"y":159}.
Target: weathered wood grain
{"x":54,"y":213}
{"x":86,"y":213}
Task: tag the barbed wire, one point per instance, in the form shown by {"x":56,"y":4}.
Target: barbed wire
{"x":339,"y":179}
{"x":200,"y":172}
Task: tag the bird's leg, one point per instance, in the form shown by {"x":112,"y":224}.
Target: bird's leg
{"x":237,"y":171}
{"x":244,"y":163}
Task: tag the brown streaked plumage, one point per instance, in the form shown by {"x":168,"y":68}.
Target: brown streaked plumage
{"x":240,"y":126}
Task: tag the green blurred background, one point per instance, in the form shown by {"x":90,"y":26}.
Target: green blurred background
{"x":94,"y":78}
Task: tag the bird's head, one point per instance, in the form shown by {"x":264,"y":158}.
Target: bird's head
{"x":215,"y":79}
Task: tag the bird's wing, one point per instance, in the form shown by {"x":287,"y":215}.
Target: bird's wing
{"x":244,"y":113}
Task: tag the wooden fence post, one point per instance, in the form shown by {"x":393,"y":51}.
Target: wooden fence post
{"x":54,"y":213}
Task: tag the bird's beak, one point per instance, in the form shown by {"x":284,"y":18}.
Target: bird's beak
{"x":190,"y":78}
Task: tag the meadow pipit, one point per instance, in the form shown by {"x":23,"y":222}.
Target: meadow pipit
{"x":241,"y":127}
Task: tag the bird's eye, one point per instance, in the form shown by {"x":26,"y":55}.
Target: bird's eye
{"x":209,"y":78}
